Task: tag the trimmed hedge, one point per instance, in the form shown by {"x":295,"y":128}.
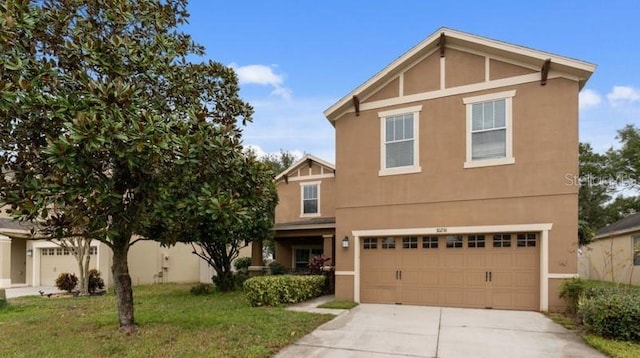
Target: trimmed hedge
{"x":282,"y":289}
{"x":612,"y":314}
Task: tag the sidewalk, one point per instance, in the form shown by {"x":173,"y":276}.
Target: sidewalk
{"x":312,"y":306}
{"x":30,"y":291}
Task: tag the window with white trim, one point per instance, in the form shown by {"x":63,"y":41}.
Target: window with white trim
{"x":310,"y":194}
{"x":399,"y":141}
{"x":489,"y":130}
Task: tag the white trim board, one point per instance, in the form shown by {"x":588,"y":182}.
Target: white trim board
{"x":542,"y":228}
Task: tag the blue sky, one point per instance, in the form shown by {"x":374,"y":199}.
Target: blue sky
{"x":296,"y":58}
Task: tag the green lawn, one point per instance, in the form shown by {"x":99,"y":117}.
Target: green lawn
{"x":345,"y":305}
{"x":172,"y":323}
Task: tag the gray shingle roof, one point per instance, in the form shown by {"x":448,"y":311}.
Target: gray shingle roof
{"x":323,"y":221}
{"x":627,"y":224}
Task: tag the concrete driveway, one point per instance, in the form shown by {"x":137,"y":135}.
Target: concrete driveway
{"x":377,"y":331}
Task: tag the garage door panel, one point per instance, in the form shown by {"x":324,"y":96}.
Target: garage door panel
{"x":467,"y":276}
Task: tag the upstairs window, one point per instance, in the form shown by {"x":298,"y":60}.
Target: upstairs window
{"x":310,"y":193}
{"x":489,"y":130}
{"x":399,"y":146}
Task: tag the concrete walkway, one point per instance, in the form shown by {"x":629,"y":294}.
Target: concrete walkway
{"x":30,"y":291}
{"x":382,"y":331}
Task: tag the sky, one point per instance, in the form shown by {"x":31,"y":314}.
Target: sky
{"x":296,"y":58}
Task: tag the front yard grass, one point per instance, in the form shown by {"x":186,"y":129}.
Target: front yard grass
{"x":172,"y":323}
{"x":344,"y":305}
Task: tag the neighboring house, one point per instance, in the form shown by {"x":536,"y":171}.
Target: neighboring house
{"x":614,"y":253}
{"x":305,"y":214}
{"x":39,"y":262}
{"x":451,"y":186}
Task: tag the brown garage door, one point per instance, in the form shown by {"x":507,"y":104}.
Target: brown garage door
{"x":482,"y":271}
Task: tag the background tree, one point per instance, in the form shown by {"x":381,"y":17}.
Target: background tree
{"x":280,"y":162}
{"x":594,"y":193}
{"x":98,"y":99}
{"x":227,"y":200}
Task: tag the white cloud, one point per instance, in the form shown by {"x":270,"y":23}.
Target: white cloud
{"x":623,"y":94}
{"x":295,"y":125}
{"x":264,"y":76}
{"x":589,"y":98}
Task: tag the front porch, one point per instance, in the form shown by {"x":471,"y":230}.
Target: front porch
{"x":298,"y":242}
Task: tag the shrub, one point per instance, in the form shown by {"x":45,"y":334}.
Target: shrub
{"x":239,"y":277}
{"x":571,"y":291}
{"x":95,"y":281}
{"x":615,"y":315}
{"x":316,"y":263}
{"x":242,"y":263}
{"x":202,"y":289}
{"x":282,"y":289}
{"x":66,"y":281}
{"x":277,"y":268}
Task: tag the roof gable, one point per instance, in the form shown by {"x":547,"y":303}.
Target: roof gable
{"x":308,"y":161}
{"x":457,"y":40}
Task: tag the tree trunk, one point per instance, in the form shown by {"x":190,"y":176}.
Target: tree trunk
{"x":122,"y":285}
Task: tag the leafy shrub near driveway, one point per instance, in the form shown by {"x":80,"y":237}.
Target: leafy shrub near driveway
{"x":277,"y":268}
{"x":66,"y":281}
{"x":282,"y":289}
{"x":613,"y":315}
{"x":571,"y":291}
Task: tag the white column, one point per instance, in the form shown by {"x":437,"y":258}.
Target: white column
{"x":544,"y":271}
{"x":5,"y":262}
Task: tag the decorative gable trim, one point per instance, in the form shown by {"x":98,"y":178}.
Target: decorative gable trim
{"x":328,"y":170}
{"x":561,"y":66}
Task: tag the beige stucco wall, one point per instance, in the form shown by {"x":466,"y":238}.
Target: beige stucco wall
{"x":150,"y":263}
{"x":611,"y":259}
{"x":289,"y":194}
{"x":536,"y":189}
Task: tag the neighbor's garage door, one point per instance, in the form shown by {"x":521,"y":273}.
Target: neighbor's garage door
{"x":54,"y":261}
{"x":482,"y":271}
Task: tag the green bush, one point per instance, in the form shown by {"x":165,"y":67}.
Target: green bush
{"x":95,"y":281}
{"x":242,"y":263}
{"x":571,"y":291}
{"x":613,"y":315}
{"x":239,"y":277}
{"x":277,"y":268}
{"x":66,"y":281}
{"x":282,"y":289}
{"x":202,"y":289}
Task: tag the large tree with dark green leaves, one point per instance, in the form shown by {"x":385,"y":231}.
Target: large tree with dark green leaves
{"x":226,"y":200}
{"x":98,"y":103}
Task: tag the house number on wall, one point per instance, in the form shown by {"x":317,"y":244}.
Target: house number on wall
{"x":441,"y":229}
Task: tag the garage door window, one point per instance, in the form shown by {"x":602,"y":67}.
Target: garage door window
{"x":527,"y":240}
{"x":370,"y":244}
{"x":454,"y":241}
{"x":502,"y":240}
{"x":409,"y":242}
{"x":389,"y":243}
{"x":475,"y":241}
{"x":430,"y":242}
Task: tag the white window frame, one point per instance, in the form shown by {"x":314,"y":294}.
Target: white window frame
{"x":302,"y":185}
{"x":508,"y":158}
{"x":415,"y":168}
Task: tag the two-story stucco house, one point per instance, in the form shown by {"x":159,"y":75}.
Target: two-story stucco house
{"x":450,"y":183}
